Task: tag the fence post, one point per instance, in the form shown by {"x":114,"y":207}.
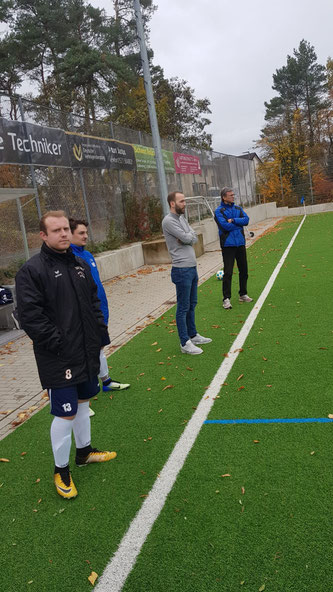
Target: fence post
{"x":83,"y":188}
{"x":178,"y":174}
{"x":144,"y":173}
{"x":31,"y":166}
{"x":280,"y":175}
{"x":22,"y":226}
{"x":310,"y":179}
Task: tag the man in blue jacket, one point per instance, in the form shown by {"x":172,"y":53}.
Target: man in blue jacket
{"x":231,"y":220}
{"x":79,"y":230}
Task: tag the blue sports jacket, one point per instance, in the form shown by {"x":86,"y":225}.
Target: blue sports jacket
{"x":231,"y":233}
{"x":89,"y":258}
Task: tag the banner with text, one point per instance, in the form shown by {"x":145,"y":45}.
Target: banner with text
{"x":26,"y":143}
{"x":145,"y":159}
{"x":99,"y":153}
{"x":187,"y":164}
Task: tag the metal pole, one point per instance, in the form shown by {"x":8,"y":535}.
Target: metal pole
{"x":32,"y":170}
{"x":151,"y":109}
{"x":22,"y":226}
{"x":83,"y":187}
{"x":84,"y":194}
{"x":310,"y":179}
{"x":178,"y":175}
{"x":144,"y":173}
{"x":280,"y":175}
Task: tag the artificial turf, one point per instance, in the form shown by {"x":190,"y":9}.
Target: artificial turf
{"x":55,"y":543}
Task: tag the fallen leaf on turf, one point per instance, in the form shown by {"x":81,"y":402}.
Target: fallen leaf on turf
{"x":159,"y":349}
{"x":160,"y":410}
{"x":168,"y":386}
{"x":150,"y":438}
{"x":40,"y":499}
{"x":216,"y":326}
{"x":23,"y":453}
{"x":35,"y":510}
{"x":4,"y":459}
{"x":226,"y":355}
{"x":149,"y":389}
{"x":226,"y":475}
{"x":37,"y":481}
{"x":265,"y":359}
{"x":144,"y":495}
{"x":240,"y":376}
{"x":155,"y":343}
{"x":188,"y":368}
{"x":322,"y":348}
{"x":161,"y":363}
{"x":312,"y":453}
{"x":262,"y":588}
{"x":93,"y":577}
{"x":256,"y":441}
{"x":30,"y":582}
{"x":241,"y":388}
{"x":163,"y":378}
{"x":242,"y":582}
{"x":269,"y":385}
{"x":243,"y":490}
{"x":142,"y":374}
{"x":330,"y":416}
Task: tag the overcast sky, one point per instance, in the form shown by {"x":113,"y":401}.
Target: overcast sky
{"x":228,"y":51}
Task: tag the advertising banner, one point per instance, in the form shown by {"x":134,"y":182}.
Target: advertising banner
{"x":145,"y":159}
{"x":99,"y":153}
{"x":26,"y":143}
{"x":187,"y":164}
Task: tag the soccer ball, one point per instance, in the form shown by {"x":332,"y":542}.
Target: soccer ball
{"x":220,"y":274}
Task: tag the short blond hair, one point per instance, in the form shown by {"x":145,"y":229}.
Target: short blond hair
{"x":50,"y":214}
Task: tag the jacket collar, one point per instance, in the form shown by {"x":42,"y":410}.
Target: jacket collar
{"x":68,"y":256}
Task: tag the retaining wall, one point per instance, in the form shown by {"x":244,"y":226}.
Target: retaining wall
{"x":126,"y":259}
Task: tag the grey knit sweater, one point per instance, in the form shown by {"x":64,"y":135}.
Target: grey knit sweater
{"x":179,"y":237}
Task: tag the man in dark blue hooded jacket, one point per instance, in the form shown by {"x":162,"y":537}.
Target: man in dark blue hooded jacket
{"x":79,"y":230}
{"x":231,"y":220}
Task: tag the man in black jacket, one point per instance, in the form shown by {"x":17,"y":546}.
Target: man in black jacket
{"x":59,"y":309}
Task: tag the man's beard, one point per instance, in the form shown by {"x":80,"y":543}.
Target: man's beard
{"x":179,"y":210}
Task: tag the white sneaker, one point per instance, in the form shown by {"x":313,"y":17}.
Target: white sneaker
{"x":226,"y":304}
{"x":199,"y":339}
{"x":245,"y":298}
{"x":91,"y":412}
{"x":190,"y":348}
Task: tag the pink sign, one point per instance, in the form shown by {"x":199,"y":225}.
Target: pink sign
{"x":187,"y":164}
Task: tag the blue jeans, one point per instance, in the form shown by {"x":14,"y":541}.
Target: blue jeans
{"x":186,"y":281}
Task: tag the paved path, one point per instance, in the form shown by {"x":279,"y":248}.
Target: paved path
{"x":135,"y":299}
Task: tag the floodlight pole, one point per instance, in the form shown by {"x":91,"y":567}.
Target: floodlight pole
{"x":151,"y":109}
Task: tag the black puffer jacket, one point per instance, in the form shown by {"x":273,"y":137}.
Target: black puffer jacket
{"x":59,"y":309}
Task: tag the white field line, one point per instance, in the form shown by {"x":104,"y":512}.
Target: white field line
{"x":122,"y":562}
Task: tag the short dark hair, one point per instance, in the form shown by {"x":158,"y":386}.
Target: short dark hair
{"x":74,"y":223}
{"x":50,"y":214}
{"x":172,"y":196}
{"x":225,"y":190}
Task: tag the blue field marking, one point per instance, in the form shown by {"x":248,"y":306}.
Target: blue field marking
{"x":279,"y":420}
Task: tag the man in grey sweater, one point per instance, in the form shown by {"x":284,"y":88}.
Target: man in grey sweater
{"x":180,"y":237}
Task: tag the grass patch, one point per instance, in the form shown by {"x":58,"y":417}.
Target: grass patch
{"x":58,"y":545}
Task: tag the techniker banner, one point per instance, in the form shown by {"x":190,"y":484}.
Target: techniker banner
{"x":27,"y":143}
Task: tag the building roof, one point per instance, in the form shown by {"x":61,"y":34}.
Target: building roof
{"x":249,"y":156}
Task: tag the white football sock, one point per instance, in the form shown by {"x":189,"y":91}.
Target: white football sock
{"x":61,"y":440}
{"x":81,"y":425}
{"x":103,"y":366}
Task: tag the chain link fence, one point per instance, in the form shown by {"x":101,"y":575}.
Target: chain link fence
{"x":120,"y":205}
